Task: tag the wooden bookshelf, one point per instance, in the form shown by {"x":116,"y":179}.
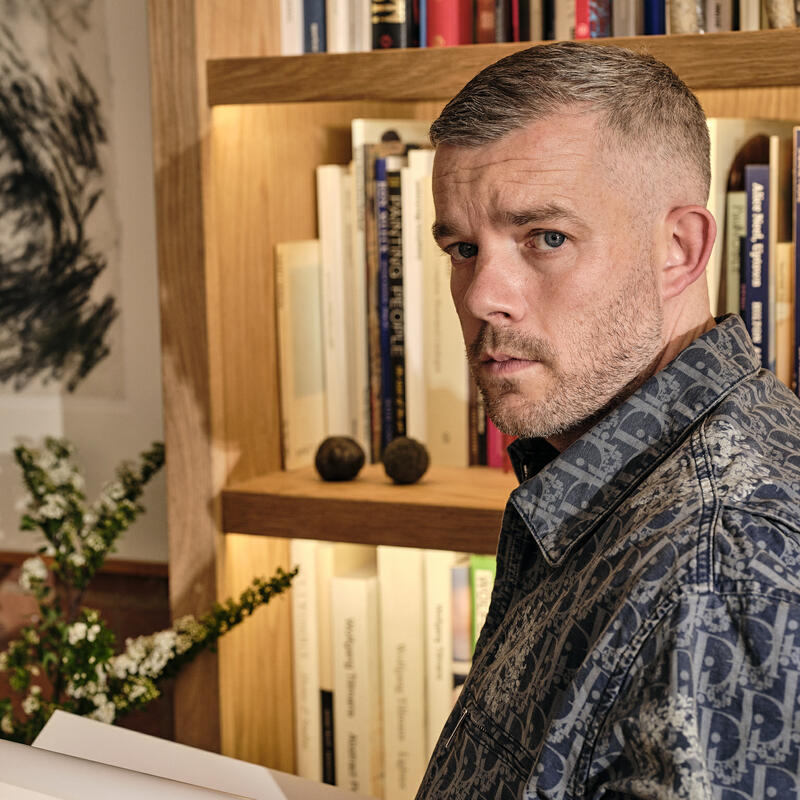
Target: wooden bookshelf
{"x":238,"y":133}
{"x":710,"y":61}
{"x":449,"y":509}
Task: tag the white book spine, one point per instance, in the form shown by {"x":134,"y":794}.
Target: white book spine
{"x":420,"y":163}
{"x":438,"y":642}
{"x":356,"y":682}
{"x":333,"y":214}
{"x":338,"y":26}
{"x":302,"y":377}
{"x":305,"y":660}
{"x":400,"y":581}
{"x":291,"y":27}
{"x":446,"y":371}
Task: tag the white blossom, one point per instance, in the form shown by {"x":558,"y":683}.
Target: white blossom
{"x":76,"y":559}
{"x":33,"y":571}
{"x":3,"y":661}
{"x":115,"y":491}
{"x":55,"y":506}
{"x":77,"y":632}
{"x":105,"y":712}
{"x":91,"y":633}
{"x":7,"y":724}
{"x":94,"y":541}
{"x":31,"y":703}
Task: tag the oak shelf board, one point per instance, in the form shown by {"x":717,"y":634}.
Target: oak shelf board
{"x":704,"y":61}
{"x":449,"y":509}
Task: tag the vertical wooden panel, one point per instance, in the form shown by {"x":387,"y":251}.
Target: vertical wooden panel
{"x":178,"y":175}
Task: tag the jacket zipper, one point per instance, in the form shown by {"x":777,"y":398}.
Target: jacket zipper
{"x":453,"y":732}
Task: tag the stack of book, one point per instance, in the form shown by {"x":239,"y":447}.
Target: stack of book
{"x":382,"y":642}
{"x":346,"y":26}
{"x":370,"y":345}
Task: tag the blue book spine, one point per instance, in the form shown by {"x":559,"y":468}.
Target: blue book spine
{"x":423,"y":23}
{"x":397,"y":339}
{"x":382,"y":217}
{"x":314,"y":29}
{"x":756,"y":258}
{"x":796,"y":238}
{"x":655,"y":17}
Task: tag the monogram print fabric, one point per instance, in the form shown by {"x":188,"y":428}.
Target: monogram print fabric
{"x":643,"y":639}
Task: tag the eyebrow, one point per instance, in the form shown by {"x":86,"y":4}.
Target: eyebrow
{"x":549,"y":212}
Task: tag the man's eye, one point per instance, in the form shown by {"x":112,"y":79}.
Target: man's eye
{"x":548,"y":240}
{"x":462,"y":251}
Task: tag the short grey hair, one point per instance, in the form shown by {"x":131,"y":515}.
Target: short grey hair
{"x":643,"y":107}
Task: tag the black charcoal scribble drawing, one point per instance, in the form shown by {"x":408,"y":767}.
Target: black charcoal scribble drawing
{"x":51,"y":179}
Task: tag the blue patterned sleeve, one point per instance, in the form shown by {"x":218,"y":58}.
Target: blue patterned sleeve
{"x":709,"y":706}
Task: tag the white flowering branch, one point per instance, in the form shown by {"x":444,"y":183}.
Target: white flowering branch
{"x":65,"y":657}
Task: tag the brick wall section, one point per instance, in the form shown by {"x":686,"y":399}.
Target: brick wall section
{"x":132,"y":605}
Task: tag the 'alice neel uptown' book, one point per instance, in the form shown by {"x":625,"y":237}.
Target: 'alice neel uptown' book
{"x":755,"y":294}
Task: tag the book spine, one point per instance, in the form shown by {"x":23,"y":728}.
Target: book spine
{"x":314,"y":34}
{"x":396,"y":320}
{"x":387,"y":423}
{"x":438,"y":642}
{"x":756,"y":258}
{"x":393,"y":24}
{"x":482,"y":570}
{"x":291,"y":28}
{"x":339,"y":37}
{"x":461,"y":606}
{"x":599,"y":18}
{"x":402,"y":625}
{"x":735,"y":234}
{"x":357,"y":680}
{"x":582,"y":19}
{"x":484,"y":22}
{"x":477,"y":427}
{"x":796,"y":240}
{"x":449,"y":23}
{"x":305,"y":660}
{"x":784,"y":268}
{"x":627,"y":18}
{"x":719,"y":15}
{"x":324,"y":574}
{"x":655,"y":22}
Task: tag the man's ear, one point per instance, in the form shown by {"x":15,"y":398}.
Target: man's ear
{"x":690,"y":232}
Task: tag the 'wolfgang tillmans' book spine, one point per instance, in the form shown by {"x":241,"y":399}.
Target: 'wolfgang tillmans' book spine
{"x":314,"y":35}
{"x":397,"y":361}
{"x":756,"y":258}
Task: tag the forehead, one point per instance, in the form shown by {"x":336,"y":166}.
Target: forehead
{"x":560,"y":153}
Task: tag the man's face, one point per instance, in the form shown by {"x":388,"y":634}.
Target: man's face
{"x":552,"y":275}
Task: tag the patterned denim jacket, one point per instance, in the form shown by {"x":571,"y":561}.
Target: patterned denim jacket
{"x":643,"y":638}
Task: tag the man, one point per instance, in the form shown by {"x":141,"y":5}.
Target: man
{"x":643,"y":638}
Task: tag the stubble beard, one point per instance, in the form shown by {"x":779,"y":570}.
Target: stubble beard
{"x":611,"y":353}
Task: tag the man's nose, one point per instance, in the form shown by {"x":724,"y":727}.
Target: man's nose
{"x":496,"y":287}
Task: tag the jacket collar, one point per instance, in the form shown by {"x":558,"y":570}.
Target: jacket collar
{"x":566,"y":498}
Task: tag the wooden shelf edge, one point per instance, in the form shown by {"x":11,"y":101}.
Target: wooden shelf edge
{"x":704,"y":61}
{"x":454,"y":510}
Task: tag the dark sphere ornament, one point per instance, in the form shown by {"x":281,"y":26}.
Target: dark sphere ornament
{"x":405,"y":460}
{"x":339,"y":458}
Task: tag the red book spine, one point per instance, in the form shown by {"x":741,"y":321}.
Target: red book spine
{"x":449,"y":22}
{"x":583,"y":28}
{"x":484,"y":21}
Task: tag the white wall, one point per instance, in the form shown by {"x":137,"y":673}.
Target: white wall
{"x":108,"y":427}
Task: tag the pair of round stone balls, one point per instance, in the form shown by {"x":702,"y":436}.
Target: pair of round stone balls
{"x":340,"y":458}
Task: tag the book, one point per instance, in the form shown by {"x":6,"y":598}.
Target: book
{"x":305,"y":660}
{"x":564,"y":19}
{"x":755,"y":295}
{"x":719,"y":15}
{"x":449,"y":22}
{"x":343,"y":341}
{"x":796,"y":240}
{"x":314,"y":34}
{"x":76,"y":756}
{"x":446,"y":370}
{"x":729,"y":136}
{"x":395,"y":23}
{"x":482,"y":570}
{"x":291,"y":12}
{"x":627,"y":18}
{"x":339,"y":26}
{"x":784,"y":306}
{"x":477,"y":427}
{"x":655,"y":17}
{"x":332,"y":559}
{"x":735,"y":234}
{"x":357,"y":681}
{"x":592,"y":19}
{"x":484,"y":24}
{"x":461,"y":610}
{"x":302,"y":377}
{"x":402,"y":630}
{"x":420,"y":163}
{"x":373,"y":139}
